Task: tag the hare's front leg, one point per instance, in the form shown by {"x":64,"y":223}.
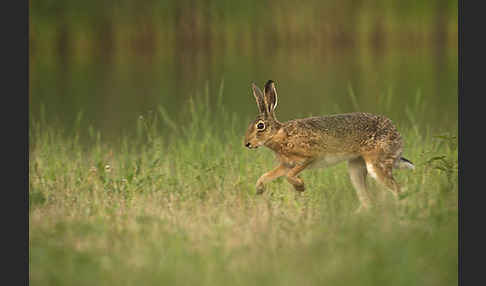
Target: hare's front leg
{"x":296,"y":181}
{"x":269,"y":176}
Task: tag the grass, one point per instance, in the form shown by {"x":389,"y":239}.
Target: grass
{"x":175,"y":204}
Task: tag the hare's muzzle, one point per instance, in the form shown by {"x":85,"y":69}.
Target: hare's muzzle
{"x":249,"y":146}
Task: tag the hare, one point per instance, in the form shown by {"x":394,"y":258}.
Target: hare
{"x":370,"y":143}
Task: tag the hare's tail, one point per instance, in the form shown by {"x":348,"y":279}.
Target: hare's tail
{"x":404,"y":163}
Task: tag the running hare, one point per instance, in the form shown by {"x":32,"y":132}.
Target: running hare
{"x":370,"y":143}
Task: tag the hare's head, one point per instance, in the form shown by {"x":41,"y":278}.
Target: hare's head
{"x":266,"y":125}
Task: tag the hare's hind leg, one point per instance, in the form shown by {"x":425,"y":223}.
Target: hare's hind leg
{"x":357,"y":172}
{"x":269,"y":176}
{"x":380,"y":168}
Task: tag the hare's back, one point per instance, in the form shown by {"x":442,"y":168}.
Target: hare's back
{"x":343,"y":124}
{"x":351,"y":129}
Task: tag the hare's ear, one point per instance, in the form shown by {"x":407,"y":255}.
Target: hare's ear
{"x":259,"y":98}
{"x":271,"y":99}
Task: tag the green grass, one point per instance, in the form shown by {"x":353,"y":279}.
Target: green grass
{"x":175,"y":204}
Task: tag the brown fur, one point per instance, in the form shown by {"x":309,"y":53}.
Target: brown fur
{"x":370,"y":143}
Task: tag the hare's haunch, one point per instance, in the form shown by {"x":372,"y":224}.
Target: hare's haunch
{"x":370,"y":143}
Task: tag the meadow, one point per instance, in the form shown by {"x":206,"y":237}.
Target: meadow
{"x":174,"y":204}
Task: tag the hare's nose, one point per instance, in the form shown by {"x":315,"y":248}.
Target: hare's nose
{"x":248,"y":144}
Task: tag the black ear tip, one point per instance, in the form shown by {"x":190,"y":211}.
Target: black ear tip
{"x":268,"y":85}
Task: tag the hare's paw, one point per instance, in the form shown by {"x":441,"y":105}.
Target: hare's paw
{"x":260,"y":188}
{"x":297,"y":183}
{"x":299,"y":188}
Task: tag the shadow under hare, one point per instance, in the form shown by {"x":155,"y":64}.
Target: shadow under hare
{"x":370,"y":143}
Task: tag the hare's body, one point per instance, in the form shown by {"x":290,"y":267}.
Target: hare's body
{"x":332,"y":139}
{"x":370,"y":143}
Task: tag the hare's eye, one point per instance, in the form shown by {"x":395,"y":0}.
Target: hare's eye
{"x":260,"y":126}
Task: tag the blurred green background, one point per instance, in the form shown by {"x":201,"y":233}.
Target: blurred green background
{"x":117,"y":60}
